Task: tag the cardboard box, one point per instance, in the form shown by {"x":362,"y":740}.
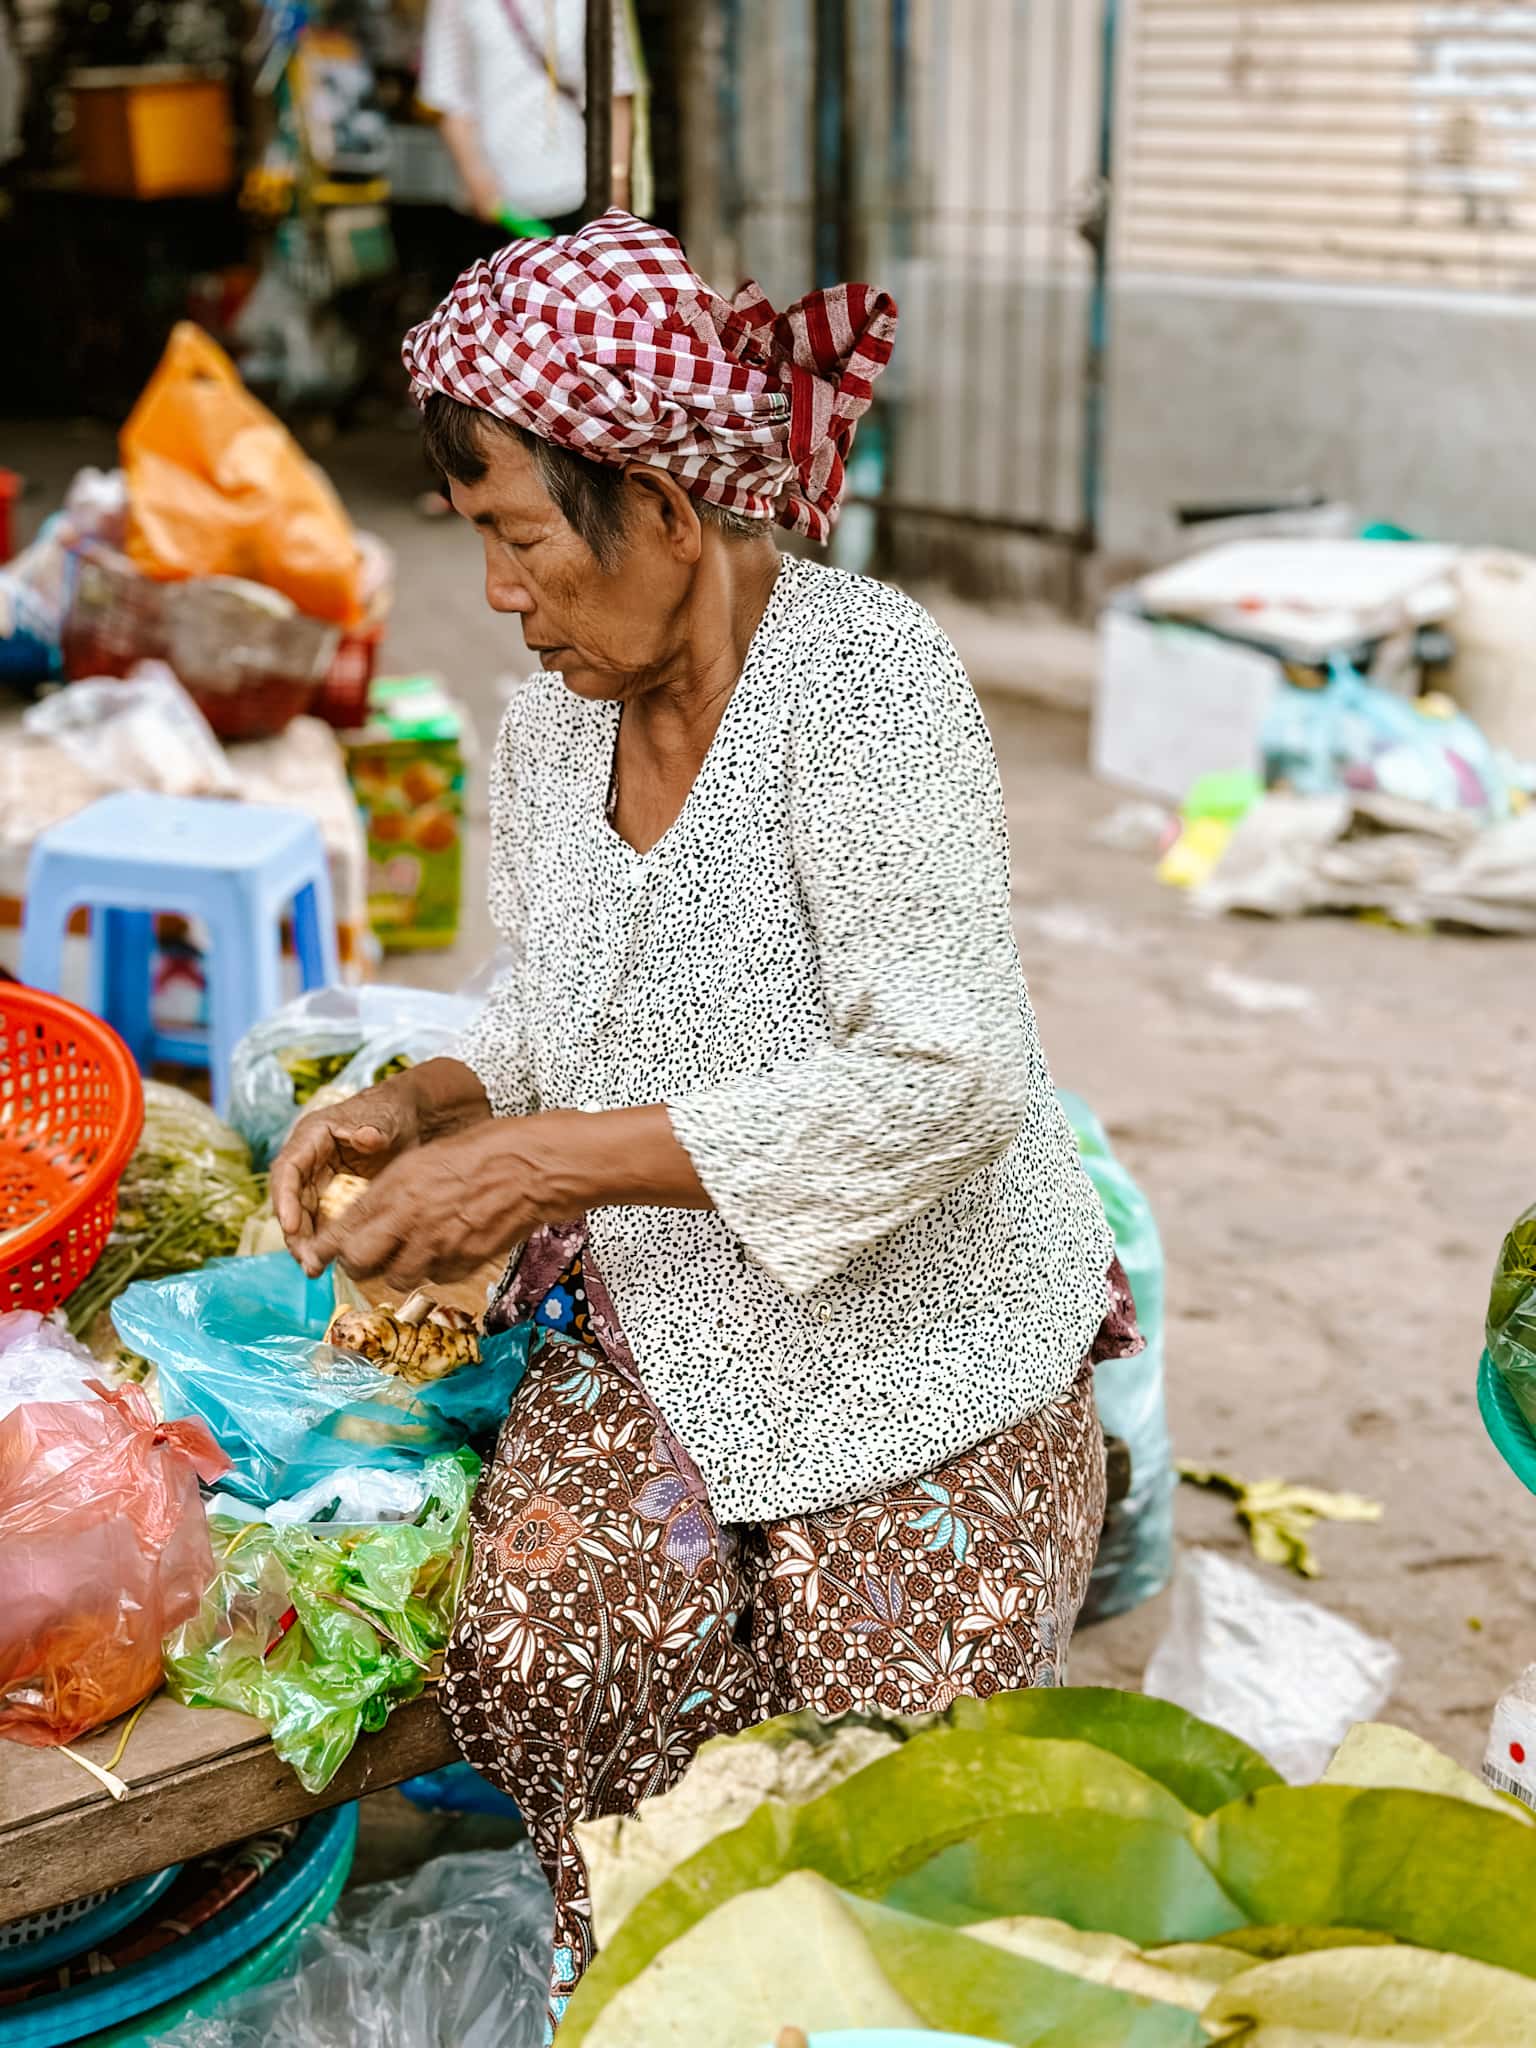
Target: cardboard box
{"x":155,"y":132}
{"x":407,"y":772}
{"x":1176,"y":702}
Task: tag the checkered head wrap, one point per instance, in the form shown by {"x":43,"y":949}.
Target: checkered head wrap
{"x":607,"y":343}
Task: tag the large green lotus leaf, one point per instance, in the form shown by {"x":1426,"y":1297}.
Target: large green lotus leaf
{"x":1357,"y":1997}
{"x":979,"y":1982}
{"x":792,"y":1953}
{"x":1181,"y":1975}
{"x":1376,"y":1757}
{"x":802,"y":1952}
{"x":628,"y":1855}
{"x":1435,"y":1872}
{"x":886,"y":1820}
{"x":1136,"y":1876}
{"x":1201,"y":1765}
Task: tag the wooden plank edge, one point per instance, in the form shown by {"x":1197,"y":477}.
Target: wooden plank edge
{"x":205,"y":1806}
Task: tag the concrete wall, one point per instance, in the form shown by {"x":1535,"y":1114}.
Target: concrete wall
{"x":1416,"y":408}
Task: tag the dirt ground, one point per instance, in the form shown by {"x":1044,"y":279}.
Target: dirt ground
{"x":1328,"y":1118}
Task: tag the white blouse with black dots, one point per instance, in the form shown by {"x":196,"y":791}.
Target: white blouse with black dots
{"x":814,"y":968}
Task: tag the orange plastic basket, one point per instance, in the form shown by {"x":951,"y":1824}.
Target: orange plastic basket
{"x":71,"y":1109}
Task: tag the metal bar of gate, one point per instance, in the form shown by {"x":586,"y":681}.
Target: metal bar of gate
{"x":1097,"y":231}
{"x":599,"y":106}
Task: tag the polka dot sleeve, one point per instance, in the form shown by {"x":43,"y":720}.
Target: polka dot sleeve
{"x":900,"y":850}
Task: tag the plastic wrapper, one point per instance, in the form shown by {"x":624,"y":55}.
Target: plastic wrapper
{"x":185,"y":1197}
{"x":1136,"y":1554}
{"x":1511,"y":1324}
{"x":1281,"y":1672}
{"x":352,"y":1033}
{"x":103,"y":1549}
{"x":240,"y":1344}
{"x":40,"y":1362}
{"x":145,"y":733}
{"x":454,"y":1956}
{"x":218,"y":487}
{"x":318,"y":1630}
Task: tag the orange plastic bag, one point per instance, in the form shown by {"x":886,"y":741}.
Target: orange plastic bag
{"x":103,"y":1551}
{"x":218,"y":487}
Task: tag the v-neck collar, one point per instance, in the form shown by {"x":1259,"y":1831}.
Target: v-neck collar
{"x":777,"y":597}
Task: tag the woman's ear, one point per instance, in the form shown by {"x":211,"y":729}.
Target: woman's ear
{"x":663,"y":508}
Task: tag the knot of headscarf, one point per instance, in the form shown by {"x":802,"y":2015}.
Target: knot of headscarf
{"x":607,"y":342}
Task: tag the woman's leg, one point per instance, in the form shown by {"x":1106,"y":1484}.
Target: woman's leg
{"x":596,"y":1642}
{"x":967,"y":1580}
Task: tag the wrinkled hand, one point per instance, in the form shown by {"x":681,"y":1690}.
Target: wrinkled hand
{"x":437,"y":1212}
{"x":362,"y":1136}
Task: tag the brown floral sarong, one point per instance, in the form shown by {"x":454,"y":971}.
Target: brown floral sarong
{"x":610,"y":1626}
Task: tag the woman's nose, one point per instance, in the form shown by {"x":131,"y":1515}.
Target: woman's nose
{"x":505,"y":591}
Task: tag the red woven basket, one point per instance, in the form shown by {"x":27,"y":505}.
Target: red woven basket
{"x":71,"y":1108}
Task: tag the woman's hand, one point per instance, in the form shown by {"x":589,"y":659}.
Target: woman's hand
{"x":437,"y":1212}
{"x":365,"y":1135}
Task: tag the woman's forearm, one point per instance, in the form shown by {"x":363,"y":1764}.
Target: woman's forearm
{"x":480,"y":186}
{"x":578,"y":1160}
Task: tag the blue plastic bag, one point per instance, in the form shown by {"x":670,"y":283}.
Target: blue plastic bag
{"x":1353,"y":736}
{"x":459,"y":1788}
{"x":1136,"y":1555}
{"x":240,"y":1344}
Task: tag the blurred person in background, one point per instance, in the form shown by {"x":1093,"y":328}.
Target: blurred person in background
{"x":508,"y":79}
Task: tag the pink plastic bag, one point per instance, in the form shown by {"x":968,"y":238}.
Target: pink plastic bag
{"x":103,"y":1551}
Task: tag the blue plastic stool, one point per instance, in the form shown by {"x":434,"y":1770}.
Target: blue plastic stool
{"x":235,"y":867}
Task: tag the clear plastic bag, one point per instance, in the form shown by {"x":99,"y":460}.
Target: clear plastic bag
{"x":355,"y":1031}
{"x":40,"y":1362}
{"x":454,"y":1956}
{"x":1136,"y":1554}
{"x":103,"y":1549}
{"x":1281,"y":1672}
{"x":145,"y":733}
{"x":319,"y":1630}
{"x":241,"y":1345}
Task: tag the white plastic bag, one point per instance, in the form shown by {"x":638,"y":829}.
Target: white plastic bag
{"x":41,"y":1362}
{"x":455,"y":1956}
{"x":1283,"y":1673}
{"x":370,"y":1026}
{"x":145,"y":733}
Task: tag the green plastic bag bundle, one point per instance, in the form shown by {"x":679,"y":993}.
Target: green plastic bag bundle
{"x":1136,"y":1555}
{"x":1511,"y":1327}
{"x":319,"y":1631}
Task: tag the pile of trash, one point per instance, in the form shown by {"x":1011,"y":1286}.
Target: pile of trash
{"x":1330,"y":724}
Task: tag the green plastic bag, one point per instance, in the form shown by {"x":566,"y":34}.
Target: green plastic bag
{"x":319,"y":1631}
{"x":1136,"y":1555}
{"x":1511,"y":1326}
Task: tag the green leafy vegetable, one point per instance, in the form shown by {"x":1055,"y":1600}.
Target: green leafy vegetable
{"x":1436,"y":1872}
{"x":1349,"y":1998}
{"x":184,"y":1199}
{"x":1375,"y":1756}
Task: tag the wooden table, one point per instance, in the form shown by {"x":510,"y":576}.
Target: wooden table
{"x":197,"y":1778}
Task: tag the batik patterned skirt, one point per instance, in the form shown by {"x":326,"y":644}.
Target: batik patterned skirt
{"x":610,"y":1625}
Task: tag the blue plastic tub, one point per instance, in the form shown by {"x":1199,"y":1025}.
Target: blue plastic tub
{"x":317,"y":1862}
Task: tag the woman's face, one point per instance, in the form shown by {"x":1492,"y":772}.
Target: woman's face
{"x":611,"y":633}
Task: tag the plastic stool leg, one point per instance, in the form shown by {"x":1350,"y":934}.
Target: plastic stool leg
{"x":125,"y":959}
{"x":44,"y":929}
{"x":244,"y":985}
{"x":317,"y":958}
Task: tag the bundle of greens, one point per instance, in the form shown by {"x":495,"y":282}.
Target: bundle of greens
{"x":1511,"y":1328}
{"x":320,"y":1631}
{"x":310,"y":1072}
{"x":1051,"y":1868}
{"x":184,"y":1198}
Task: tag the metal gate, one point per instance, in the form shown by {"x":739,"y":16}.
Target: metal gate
{"x":958,"y":152}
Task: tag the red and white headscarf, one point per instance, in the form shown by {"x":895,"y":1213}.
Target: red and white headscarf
{"x":606,"y":342}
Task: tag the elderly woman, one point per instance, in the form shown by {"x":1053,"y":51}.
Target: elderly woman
{"x":758,"y":1112}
